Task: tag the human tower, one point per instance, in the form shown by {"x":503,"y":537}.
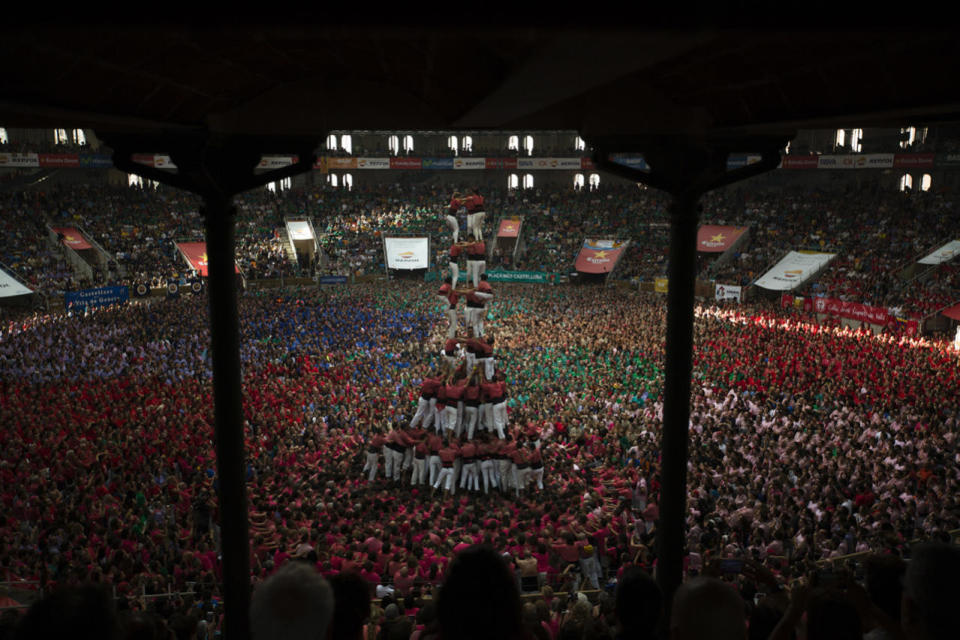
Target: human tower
{"x":460,"y":432}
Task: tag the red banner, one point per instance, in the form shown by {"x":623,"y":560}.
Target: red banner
{"x":59,"y":160}
{"x":714,"y":239}
{"x":799,"y":162}
{"x":509,"y":228}
{"x":913,"y":160}
{"x":405,"y":163}
{"x":500,"y":163}
{"x":599,"y":256}
{"x":196,"y":254}
{"x":72,"y":238}
{"x":786,"y":301}
{"x":852,"y":310}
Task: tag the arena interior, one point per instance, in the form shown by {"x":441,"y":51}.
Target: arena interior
{"x":459,"y":351}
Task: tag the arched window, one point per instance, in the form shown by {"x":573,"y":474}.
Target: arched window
{"x":3,"y":136}
{"x":466,"y":143}
{"x":926,"y":182}
{"x":452,"y":144}
{"x":331,"y":142}
{"x":856,"y":136}
{"x":393,"y":144}
{"x":133,"y":180}
{"x":907,"y":136}
{"x":334,"y":180}
{"x":786,"y":150}
{"x":528,"y":181}
{"x":78,"y":137}
{"x":513,"y":143}
{"x":408,"y":143}
{"x":594,"y":181}
{"x":841,"y":137}
{"x":348,"y":181}
{"x":528,"y":145}
{"x":513,"y":181}
{"x":60,"y":136}
{"x":579,"y":144}
{"x":578,"y":181}
{"x":906,"y":182}
{"x":346,"y":142}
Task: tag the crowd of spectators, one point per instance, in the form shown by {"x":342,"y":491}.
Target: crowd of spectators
{"x":807,"y":442}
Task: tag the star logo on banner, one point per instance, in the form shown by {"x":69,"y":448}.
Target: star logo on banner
{"x":718,"y":238}
{"x":600,"y":254}
{"x":203,"y":258}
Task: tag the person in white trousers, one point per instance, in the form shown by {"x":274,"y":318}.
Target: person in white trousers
{"x":452,"y":223}
{"x":449,"y":297}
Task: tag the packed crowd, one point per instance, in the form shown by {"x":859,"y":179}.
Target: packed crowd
{"x":807,"y":443}
{"x":876,"y":235}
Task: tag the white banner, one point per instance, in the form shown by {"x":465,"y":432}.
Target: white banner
{"x":878,"y":160}
{"x":569,"y":163}
{"x":794,"y":269}
{"x":728,"y":292}
{"x":373,"y":163}
{"x":9,"y":287}
{"x":19,"y":160}
{"x":407,"y":253}
{"x":276,"y":162}
{"x":946,"y":253}
{"x":469,"y":163}
{"x":299,"y":230}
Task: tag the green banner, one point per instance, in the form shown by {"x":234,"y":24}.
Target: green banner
{"x":521,"y":276}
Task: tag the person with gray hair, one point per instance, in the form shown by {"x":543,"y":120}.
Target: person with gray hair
{"x":931,"y":592}
{"x":295,"y":603}
{"x":707,"y":608}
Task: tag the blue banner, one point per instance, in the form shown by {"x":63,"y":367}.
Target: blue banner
{"x":95,"y":161}
{"x":438,"y":163}
{"x":634,"y":162}
{"x":100,"y":297}
{"x":333,"y":279}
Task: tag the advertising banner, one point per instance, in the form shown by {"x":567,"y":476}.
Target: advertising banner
{"x":661,"y":285}
{"x":373,"y":163}
{"x":19,"y":160}
{"x":509,"y":228}
{"x":569,"y":163}
{"x":405,"y":163}
{"x":878,"y":160}
{"x":59,"y":160}
{"x":336,"y":164}
{"x":946,"y":253}
{"x":799,"y":162}
{"x":196,"y":254}
{"x":276,"y":162}
{"x":948,"y":160}
{"x":913,"y":160}
{"x":143,"y":158}
{"x":786,"y":301}
{"x":634,"y":162}
{"x":500,"y":163}
{"x":100,"y":297}
{"x":333,"y":279}
{"x":407,"y":253}
{"x":95,"y":161}
{"x":599,"y":256}
{"x":520,"y":276}
{"x":163,"y":162}
{"x":716,"y":239}
{"x":438,"y":164}
{"x":10,"y":286}
{"x":469,"y":163}
{"x":851,"y":310}
{"x":299,"y":230}
{"x":728,"y":292}
{"x":587,"y":164}
{"x":793,"y":270}
{"x":72,"y":238}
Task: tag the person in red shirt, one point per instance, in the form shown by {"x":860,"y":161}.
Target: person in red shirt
{"x":488,"y":451}
{"x":377,"y":442}
{"x":456,"y":250}
{"x":485,"y":356}
{"x":471,"y":403}
{"x":536,"y":465}
{"x":455,"y":203}
{"x":448,"y":456}
{"x":434,"y":443}
{"x":476,"y":261}
{"x":453,"y":413}
{"x":420,"y":451}
{"x":489,"y":393}
{"x":450,"y":298}
{"x":475,"y":214}
{"x":426,"y":405}
{"x":469,"y":473}
{"x":508,"y":450}
{"x":451,"y":352}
